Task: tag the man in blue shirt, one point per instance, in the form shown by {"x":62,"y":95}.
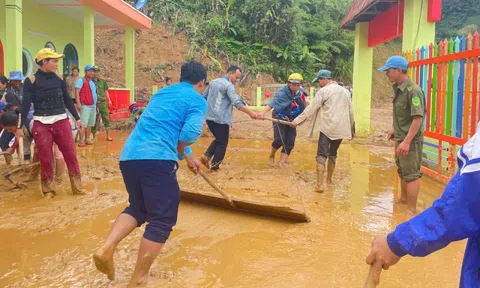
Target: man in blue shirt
{"x":86,"y":93}
{"x":453,"y":217}
{"x":171,"y":122}
{"x":222,"y":97}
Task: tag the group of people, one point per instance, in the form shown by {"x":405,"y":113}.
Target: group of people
{"x":331,"y":110}
{"x":43,"y":108}
{"x":91,"y":99}
{"x":173,"y":120}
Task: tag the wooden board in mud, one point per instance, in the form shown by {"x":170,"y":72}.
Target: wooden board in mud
{"x":247,"y":206}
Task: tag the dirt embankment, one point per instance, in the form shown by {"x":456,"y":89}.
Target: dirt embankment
{"x":160,"y":53}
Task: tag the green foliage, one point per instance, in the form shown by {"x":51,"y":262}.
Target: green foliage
{"x":275,"y":36}
{"x":456,"y":15}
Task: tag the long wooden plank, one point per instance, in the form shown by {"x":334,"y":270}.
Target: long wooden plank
{"x":247,"y":206}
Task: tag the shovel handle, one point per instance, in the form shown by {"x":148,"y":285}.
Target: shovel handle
{"x":277,"y":121}
{"x":209,"y":181}
{"x":20,"y":168}
{"x":369,"y":282}
{"x":21,"y":158}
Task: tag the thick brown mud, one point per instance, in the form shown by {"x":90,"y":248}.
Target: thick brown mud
{"x":50,"y":243}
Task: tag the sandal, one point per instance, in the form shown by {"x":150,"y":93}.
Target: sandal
{"x":89,"y":143}
{"x":81,"y":145}
{"x":109,"y":139}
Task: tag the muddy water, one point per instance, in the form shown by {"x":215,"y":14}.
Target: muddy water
{"x":49,"y":243}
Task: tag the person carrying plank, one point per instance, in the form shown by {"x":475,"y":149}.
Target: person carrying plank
{"x":333,"y":118}
{"x":408,"y":114}
{"x":171,"y":122}
{"x":453,"y":217}
{"x":288,"y":103}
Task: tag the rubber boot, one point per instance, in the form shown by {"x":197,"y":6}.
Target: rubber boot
{"x":77,"y":187}
{"x":320,"y":187}
{"x":48,"y":190}
{"x":331,"y":168}
{"x":8,"y":158}
{"x":205,"y":161}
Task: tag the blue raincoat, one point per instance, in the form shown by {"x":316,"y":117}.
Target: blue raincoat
{"x":453,"y":217}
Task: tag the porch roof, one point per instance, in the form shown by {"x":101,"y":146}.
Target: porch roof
{"x":365,"y":11}
{"x":108,"y":13}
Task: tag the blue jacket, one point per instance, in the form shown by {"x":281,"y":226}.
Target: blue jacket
{"x":174,"y":114}
{"x":221,"y":97}
{"x":453,"y":217}
{"x":282,"y":104}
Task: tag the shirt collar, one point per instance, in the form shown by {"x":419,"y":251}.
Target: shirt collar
{"x":331,"y":82}
{"x":226,"y":78}
{"x":403,"y":86}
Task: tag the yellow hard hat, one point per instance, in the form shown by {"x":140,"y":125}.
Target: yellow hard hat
{"x":295,"y":78}
{"x":48,"y":53}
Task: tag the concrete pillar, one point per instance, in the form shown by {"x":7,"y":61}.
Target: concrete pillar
{"x":13,"y":43}
{"x":88,"y":37}
{"x":417,"y":31}
{"x":130,"y":60}
{"x":362,"y":80}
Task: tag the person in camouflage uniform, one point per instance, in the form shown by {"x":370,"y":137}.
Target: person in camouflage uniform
{"x":102,"y":107}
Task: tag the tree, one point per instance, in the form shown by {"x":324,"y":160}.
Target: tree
{"x":275,"y":36}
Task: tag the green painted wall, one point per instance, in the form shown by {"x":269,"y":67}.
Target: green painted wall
{"x":362,"y":80}
{"x":2,"y":20}
{"x":130,"y":60}
{"x":417,"y":31}
{"x":2,"y":23}
{"x":53,"y":27}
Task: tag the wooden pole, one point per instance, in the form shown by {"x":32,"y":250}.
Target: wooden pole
{"x":369,"y":282}
{"x":210,"y":182}
{"x":277,"y":121}
{"x":21,"y":158}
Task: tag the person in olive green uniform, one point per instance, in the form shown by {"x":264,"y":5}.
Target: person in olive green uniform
{"x":102,"y":107}
{"x":408,"y":114}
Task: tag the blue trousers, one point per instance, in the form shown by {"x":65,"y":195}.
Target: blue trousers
{"x":153,"y":195}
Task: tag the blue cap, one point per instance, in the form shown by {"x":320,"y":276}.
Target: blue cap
{"x":322,"y":74}
{"x":395,"y":62}
{"x":16,"y":75}
{"x":89,"y":67}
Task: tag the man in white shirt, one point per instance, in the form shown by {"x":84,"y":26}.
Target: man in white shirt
{"x":332,"y":114}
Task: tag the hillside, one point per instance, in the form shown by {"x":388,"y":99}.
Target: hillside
{"x":160,"y":53}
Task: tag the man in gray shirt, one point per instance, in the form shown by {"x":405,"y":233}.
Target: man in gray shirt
{"x":221,"y":97}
